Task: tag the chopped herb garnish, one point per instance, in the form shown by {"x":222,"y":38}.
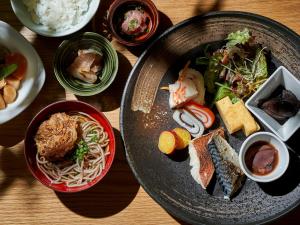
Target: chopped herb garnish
{"x":133,"y":24}
{"x":81,"y":150}
{"x":95,"y":138}
{"x":92,"y":132}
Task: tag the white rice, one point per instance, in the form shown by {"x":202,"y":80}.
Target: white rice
{"x":57,"y":14}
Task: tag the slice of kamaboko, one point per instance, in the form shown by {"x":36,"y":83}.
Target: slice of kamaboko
{"x":203,"y":113}
{"x":189,"y":122}
{"x":181,"y":92}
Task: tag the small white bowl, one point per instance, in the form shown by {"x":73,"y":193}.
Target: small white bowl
{"x":283,"y":156}
{"x":25,"y":17}
{"x":284,"y":78}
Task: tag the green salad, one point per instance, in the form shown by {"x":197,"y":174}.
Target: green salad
{"x":237,"y":69}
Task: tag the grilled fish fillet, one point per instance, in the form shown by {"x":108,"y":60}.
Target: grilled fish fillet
{"x":228,"y":171}
{"x":56,"y":136}
{"x":200,"y":159}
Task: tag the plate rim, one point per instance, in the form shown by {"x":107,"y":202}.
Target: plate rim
{"x":171,"y":209}
{"x":39,"y":79}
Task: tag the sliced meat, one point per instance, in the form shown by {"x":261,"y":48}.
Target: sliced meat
{"x":86,"y":66}
{"x":134,"y":23}
{"x":263,"y":160}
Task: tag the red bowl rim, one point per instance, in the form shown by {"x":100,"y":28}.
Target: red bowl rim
{"x":107,"y":166}
{"x":111,"y":12}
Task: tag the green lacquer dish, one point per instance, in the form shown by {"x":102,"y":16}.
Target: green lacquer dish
{"x":66,"y":53}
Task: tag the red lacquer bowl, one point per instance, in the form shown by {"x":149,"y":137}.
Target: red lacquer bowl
{"x":65,"y":106}
{"x":116,"y":11}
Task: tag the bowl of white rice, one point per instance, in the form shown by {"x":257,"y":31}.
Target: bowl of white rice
{"x":55,"y":18}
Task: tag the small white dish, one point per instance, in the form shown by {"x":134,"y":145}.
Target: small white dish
{"x":35,"y":75}
{"x":283,"y":156}
{"x":25,"y":17}
{"x":281,"y":77}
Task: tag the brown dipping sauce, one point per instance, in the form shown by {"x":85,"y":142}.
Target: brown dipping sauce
{"x":261,"y":158}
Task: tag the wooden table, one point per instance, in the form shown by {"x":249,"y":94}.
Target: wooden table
{"x":118,"y":199}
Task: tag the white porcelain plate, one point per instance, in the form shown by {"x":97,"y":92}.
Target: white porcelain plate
{"x":24,"y":16}
{"x":35,"y":74}
{"x":281,"y":77}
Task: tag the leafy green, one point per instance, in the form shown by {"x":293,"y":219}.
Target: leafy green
{"x":240,"y":62}
{"x":224,"y":91}
{"x":202,"y":61}
{"x":234,"y":99}
{"x":238,"y":37}
{"x":259,"y":67}
{"x":81,"y":150}
{"x":7,"y":70}
{"x":212,"y":72}
{"x":206,"y":50}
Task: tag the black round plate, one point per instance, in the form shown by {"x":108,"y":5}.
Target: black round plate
{"x":167,"y":179}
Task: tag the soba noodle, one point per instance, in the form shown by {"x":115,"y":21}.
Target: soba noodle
{"x":81,"y":172}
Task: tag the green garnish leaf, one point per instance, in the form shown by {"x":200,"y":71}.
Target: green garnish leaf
{"x":95,"y":138}
{"x":7,"y":70}
{"x":81,"y":150}
{"x":259,"y":67}
{"x":238,"y":37}
{"x":212,"y":72}
{"x":206,"y":50}
{"x":92,"y":132}
{"x":133,"y":24}
{"x":224,"y":91}
{"x":235,"y":99}
{"x":202,"y":61}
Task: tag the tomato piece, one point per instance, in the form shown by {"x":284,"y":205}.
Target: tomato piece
{"x":20,"y":60}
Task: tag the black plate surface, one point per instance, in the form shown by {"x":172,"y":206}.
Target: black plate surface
{"x":167,"y":179}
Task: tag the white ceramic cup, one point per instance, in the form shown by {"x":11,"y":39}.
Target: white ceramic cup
{"x":283,"y":156}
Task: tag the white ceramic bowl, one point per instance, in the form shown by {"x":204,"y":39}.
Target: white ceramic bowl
{"x":284,"y":78}
{"x":35,"y":75}
{"x":24,"y":16}
{"x":283,"y":156}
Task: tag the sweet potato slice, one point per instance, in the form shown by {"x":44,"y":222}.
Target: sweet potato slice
{"x":2,"y":102}
{"x":9,"y":94}
{"x":167,"y":142}
{"x":183,"y":138}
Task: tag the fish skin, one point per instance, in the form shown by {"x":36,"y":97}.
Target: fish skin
{"x":229,"y":176}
